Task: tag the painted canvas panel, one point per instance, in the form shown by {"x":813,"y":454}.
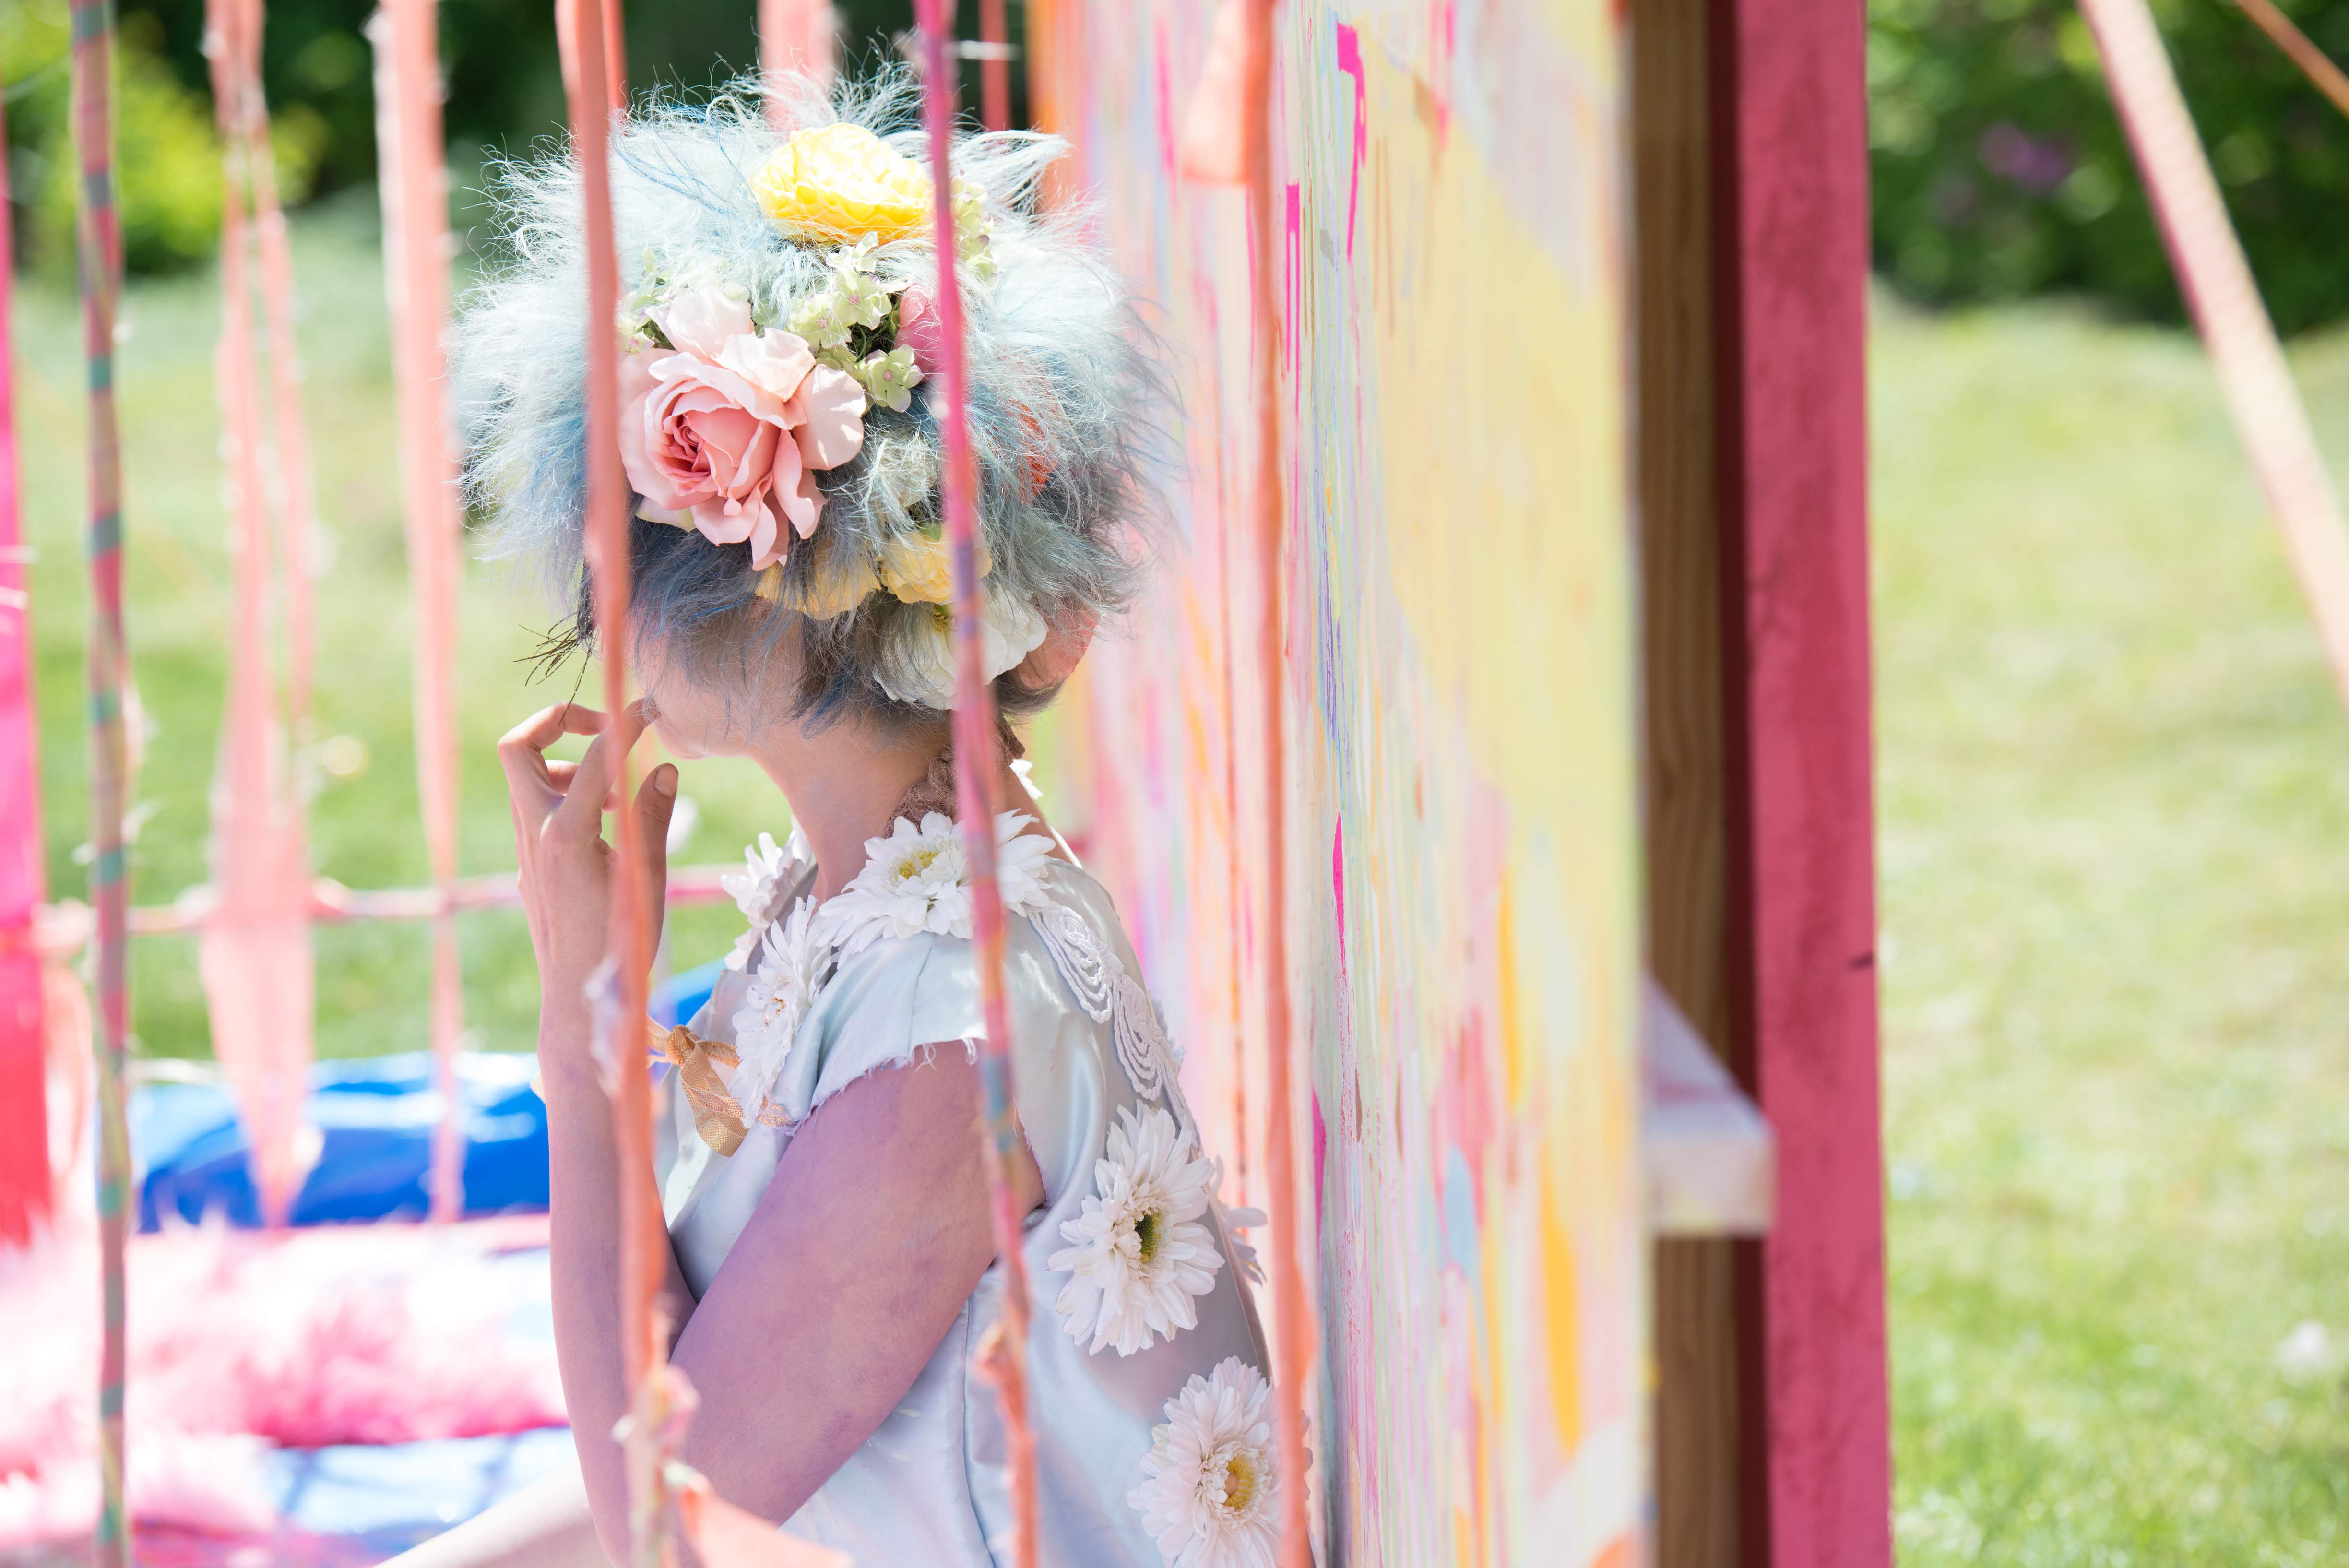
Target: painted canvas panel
{"x":1458,"y":703}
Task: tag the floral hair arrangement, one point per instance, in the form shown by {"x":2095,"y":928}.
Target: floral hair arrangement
{"x":778,"y":337}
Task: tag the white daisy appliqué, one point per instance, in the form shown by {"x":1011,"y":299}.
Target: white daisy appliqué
{"x":758,"y":889}
{"x":918,"y":880}
{"x":1140,"y":1253}
{"x":792,"y":961}
{"x":1210,"y":1482}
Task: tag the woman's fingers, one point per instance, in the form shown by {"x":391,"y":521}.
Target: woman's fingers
{"x":590,"y":789}
{"x":655,"y":803}
{"x":522,"y":750}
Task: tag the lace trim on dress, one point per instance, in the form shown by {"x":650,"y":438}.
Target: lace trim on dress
{"x":1109,"y":995}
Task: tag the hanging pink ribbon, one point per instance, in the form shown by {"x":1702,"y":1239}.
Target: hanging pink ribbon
{"x":799,"y":35}
{"x":255,"y":952}
{"x":413,"y":182}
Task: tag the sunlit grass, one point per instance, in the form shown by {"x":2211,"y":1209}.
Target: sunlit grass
{"x":2114,"y":796}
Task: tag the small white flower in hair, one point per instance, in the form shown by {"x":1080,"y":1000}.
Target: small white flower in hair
{"x":890,"y":377}
{"x":917,"y":657}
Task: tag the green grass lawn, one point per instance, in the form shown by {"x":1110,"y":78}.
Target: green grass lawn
{"x":2115,"y":862}
{"x":2115,"y":853}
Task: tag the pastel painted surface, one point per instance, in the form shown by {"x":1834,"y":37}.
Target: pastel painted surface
{"x":1458,"y":694}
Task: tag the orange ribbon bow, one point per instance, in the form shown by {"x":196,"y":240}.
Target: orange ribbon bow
{"x":715,"y":1114}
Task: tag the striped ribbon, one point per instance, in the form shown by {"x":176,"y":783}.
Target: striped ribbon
{"x":586,"y":30}
{"x":412,"y":183}
{"x":976,"y":752}
{"x":100,"y":246}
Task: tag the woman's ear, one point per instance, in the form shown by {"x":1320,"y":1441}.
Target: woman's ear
{"x":1055,"y":658}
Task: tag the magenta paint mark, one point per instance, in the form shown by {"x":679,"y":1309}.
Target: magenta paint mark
{"x":1166,"y":154}
{"x":1338,"y":886}
{"x":1292,"y":286}
{"x":1349,"y":60}
{"x":1321,"y":1158}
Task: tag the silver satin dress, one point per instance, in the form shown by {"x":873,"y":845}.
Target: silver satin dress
{"x":928,"y":1490}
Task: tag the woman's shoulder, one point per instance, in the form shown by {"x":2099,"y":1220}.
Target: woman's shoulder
{"x":887,"y":969}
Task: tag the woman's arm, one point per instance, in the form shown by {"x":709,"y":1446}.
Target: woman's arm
{"x":564,"y":870}
{"x":829,"y":1306}
{"x":874,"y":1233}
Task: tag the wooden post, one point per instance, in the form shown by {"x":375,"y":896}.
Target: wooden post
{"x":1790,"y":156}
{"x":1684,"y":809}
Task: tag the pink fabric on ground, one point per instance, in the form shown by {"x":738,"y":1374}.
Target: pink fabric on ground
{"x":372,"y":1333}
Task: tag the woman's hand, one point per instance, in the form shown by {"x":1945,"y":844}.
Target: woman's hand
{"x":566,"y":866}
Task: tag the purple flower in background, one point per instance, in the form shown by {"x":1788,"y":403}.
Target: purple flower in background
{"x":2016,"y":156}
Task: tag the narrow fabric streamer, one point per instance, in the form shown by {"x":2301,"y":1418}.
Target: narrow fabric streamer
{"x":584,"y":29}
{"x":254,"y":952}
{"x":799,"y":35}
{"x":1004,"y":1359}
{"x":2216,"y":282}
{"x":297,"y":514}
{"x":1251,"y":63}
{"x":25,"y":1173}
{"x":2314,"y":63}
{"x":994,"y":69}
{"x":413,"y":183}
{"x":98,"y":236}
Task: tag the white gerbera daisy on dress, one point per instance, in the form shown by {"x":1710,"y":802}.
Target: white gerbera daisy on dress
{"x":794,"y":961}
{"x":918,"y":880}
{"x":1140,"y":1253}
{"x":768,"y":876}
{"x":1211,"y":1480}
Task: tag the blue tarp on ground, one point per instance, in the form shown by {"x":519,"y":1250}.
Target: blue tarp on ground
{"x":375,"y":1116}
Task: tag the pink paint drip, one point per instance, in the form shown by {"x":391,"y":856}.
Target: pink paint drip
{"x":1349,"y":61}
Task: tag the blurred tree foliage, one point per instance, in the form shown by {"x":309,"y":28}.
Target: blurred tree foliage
{"x":2001,"y":170}
{"x":505,"y":93}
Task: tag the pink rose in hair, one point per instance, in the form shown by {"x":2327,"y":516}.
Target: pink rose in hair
{"x":726,"y":432}
{"x":920,"y":329}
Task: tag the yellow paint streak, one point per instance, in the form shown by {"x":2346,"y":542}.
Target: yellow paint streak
{"x":1561,"y":1313}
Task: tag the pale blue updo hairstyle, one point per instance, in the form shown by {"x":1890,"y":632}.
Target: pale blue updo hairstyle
{"x":1065,"y":402}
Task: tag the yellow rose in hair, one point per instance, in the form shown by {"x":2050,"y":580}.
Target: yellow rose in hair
{"x":919,"y":569}
{"x":841,"y":181}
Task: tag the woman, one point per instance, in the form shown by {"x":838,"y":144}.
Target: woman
{"x":833,"y":1269}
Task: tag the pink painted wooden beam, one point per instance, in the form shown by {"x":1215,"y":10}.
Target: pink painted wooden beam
{"x":1791,"y":148}
{"x":24,"y":1073}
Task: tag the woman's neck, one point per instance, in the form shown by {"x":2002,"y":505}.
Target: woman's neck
{"x":845,"y":785}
